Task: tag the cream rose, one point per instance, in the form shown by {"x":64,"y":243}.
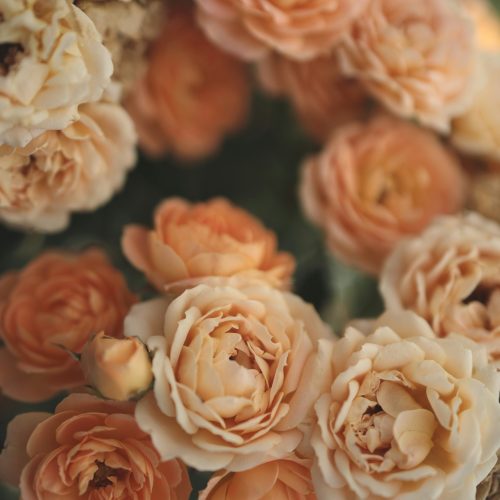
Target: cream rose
{"x":407,"y":415}
{"x":118,"y":369}
{"x":75,"y":169}
{"x":236,"y":372}
{"x":417,"y":58}
{"x":450,"y":275}
{"x":51,"y":60}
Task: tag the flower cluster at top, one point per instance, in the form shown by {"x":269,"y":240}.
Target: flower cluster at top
{"x":227,"y":371}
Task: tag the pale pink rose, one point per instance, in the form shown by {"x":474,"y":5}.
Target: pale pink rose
{"x":376,"y":183}
{"x":299,"y":29}
{"x":90,"y":449}
{"x":192,"y":94}
{"x":50,"y":309}
{"x":417,"y":58}
{"x":321,"y":96}
{"x":237,"y":371}
{"x":288,"y":478}
{"x":192,"y":242}
{"x":450,"y":275}
{"x":77,"y":168}
{"x":407,"y":415}
{"x":51,"y":61}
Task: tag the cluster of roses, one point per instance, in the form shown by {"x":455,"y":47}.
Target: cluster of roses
{"x":227,"y":371}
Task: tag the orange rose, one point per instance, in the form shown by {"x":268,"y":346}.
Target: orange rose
{"x":196,"y":241}
{"x":418,"y":58}
{"x":321,"y":96}
{"x":192,"y":94}
{"x":278,"y":479}
{"x":90,"y":449}
{"x":49,"y":308}
{"x":299,"y":29}
{"x":376,"y":183}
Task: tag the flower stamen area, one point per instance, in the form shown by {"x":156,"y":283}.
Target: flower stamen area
{"x":9,"y":55}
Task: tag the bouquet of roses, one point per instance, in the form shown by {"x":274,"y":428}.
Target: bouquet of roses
{"x":195,"y":366}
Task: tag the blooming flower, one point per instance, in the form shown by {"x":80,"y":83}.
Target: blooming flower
{"x":51,"y":307}
{"x":450,"y":275}
{"x":236,"y":372}
{"x":407,"y":415}
{"x":417,"y":58}
{"x":74,"y":169}
{"x":192,"y":94}
{"x":191,"y":242}
{"x":376,"y":183}
{"x":51,"y":60}
{"x":89,"y":449}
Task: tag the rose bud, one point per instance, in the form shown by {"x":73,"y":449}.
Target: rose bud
{"x":117,"y":368}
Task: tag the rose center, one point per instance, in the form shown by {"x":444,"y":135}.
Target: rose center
{"x":9,"y":55}
{"x":102,"y":475}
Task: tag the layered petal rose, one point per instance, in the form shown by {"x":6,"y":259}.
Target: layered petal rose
{"x":192,"y":242}
{"x":407,"y":415}
{"x":417,"y":58}
{"x":450,"y":275}
{"x":51,"y":307}
{"x":192,"y":94}
{"x":299,"y":29}
{"x":477,"y":130}
{"x":90,"y":449}
{"x":278,"y":479}
{"x":321,"y":96}
{"x":376,"y":183}
{"x":74,"y":169}
{"x":237,"y":370}
{"x":51,"y":61}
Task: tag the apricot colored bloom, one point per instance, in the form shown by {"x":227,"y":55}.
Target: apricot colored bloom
{"x":377,"y":183}
{"x":486,"y":23}
{"x":278,"y":479}
{"x":299,"y":29}
{"x":51,"y":61}
{"x":236,"y":370}
{"x":51,"y":307}
{"x":192,"y":94}
{"x":450,"y":275}
{"x":321,"y":96}
{"x":477,"y":130}
{"x":75,"y":169}
{"x":191,"y":242}
{"x":89,"y":449}
{"x":417,"y":58}
{"x":407,"y":415}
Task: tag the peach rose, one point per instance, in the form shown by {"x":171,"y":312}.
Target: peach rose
{"x":450,"y":275}
{"x":407,"y":415}
{"x":417,"y":58}
{"x":74,"y":169}
{"x":376,"y":183}
{"x":477,"y":130}
{"x":237,"y":370}
{"x":322,"y":98}
{"x":51,"y":60}
{"x":90,"y":449}
{"x":191,"y":242}
{"x":49,"y":308}
{"x":278,"y":479}
{"x":192,"y":94}
{"x":486,"y":22}
{"x":118,"y":369}
{"x":299,"y":29}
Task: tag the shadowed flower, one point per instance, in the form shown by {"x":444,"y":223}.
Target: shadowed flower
{"x":191,"y":242}
{"x":89,"y":449}
{"x":51,"y":307}
{"x":377,"y":183}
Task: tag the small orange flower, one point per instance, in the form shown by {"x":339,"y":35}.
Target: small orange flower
{"x":212,"y":239}
{"x":192,"y":94}
{"x":49,"y":308}
{"x":89,"y":449}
